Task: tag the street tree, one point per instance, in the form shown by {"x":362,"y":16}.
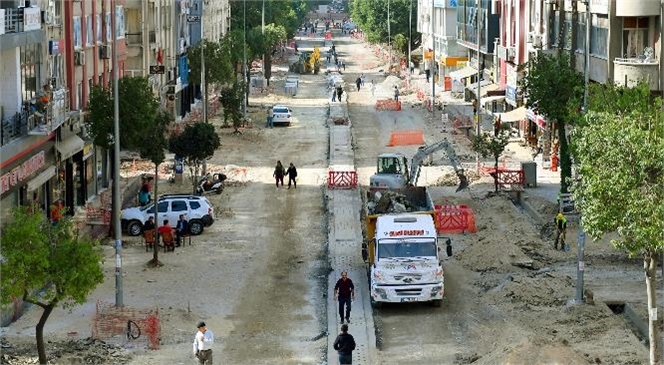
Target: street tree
{"x":619,"y":155}
{"x":232,"y":98}
{"x":264,"y":44}
{"x":48,"y":265}
{"x":155,"y":143}
{"x":371,"y":16}
{"x":195,"y":144}
{"x":492,"y":144}
{"x":555,"y":90}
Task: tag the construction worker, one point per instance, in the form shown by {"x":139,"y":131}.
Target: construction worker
{"x":561,"y":227}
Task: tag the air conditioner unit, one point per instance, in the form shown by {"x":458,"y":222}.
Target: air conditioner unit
{"x":104,"y":52}
{"x":531,"y":37}
{"x":79,"y":58}
{"x":537,"y":40}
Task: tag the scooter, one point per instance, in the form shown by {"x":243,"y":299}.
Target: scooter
{"x":211,"y":183}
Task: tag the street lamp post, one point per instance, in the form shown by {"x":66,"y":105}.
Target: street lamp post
{"x":389,"y":39}
{"x":478,"y":103}
{"x":433,"y":57}
{"x":581,"y":242}
{"x":410,"y":37}
{"x":116,"y":168}
{"x":244,"y":62}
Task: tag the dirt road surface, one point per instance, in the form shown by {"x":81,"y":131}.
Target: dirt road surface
{"x":257,"y":277}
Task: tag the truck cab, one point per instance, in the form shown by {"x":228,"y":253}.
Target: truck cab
{"x":406,"y":265}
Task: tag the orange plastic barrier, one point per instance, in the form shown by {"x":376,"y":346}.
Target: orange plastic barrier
{"x":448,"y":83}
{"x":388,"y":104}
{"x":554,"y":163}
{"x":406,"y":138}
{"x":341,"y":179}
{"x":455,"y":219}
{"x":328,"y":35}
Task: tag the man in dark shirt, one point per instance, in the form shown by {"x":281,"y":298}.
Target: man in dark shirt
{"x":181,"y":229}
{"x":345,"y":344}
{"x":344,"y":291}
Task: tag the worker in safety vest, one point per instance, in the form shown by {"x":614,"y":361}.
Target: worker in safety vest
{"x":561,"y":227}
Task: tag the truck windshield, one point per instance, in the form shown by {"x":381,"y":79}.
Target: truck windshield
{"x":400,"y":248}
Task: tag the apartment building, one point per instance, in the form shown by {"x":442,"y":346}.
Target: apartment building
{"x":436,"y":20}
{"x":33,"y":103}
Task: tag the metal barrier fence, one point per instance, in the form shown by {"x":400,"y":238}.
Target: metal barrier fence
{"x":341,"y":179}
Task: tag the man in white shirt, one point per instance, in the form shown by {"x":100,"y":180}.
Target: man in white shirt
{"x":203,"y":342}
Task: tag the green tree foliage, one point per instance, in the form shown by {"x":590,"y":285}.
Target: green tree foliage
{"x":47,"y":265}
{"x":264,"y":44}
{"x":138,"y":106}
{"x":218,"y":65}
{"x":195,"y":144}
{"x":289,"y":14}
{"x":232,"y":98}
{"x":371,"y":16}
{"x":492,"y":144}
{"x":620,"y":157}
{"x":555,"y":90}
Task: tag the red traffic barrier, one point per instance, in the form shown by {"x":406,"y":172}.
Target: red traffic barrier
{"x":455,"y":219}
{"x":341,"y":179}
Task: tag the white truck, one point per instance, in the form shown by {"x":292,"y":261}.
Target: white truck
{"x":404,"y":258}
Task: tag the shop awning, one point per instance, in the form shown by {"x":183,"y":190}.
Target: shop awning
{"x":69,"y":146}
{"x":42,"y":178}
{"x":463,"y":73}
{"x":514,"y":115}
{"x":486,"y":87}
{"x":489,"y":99}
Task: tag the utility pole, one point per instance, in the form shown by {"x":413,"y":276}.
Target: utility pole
{"x":433,"y":58}
{"x":581,"y":242}
{"x":244,"y":62}
{"x":410,"y":38}
{"x":203,"y":82}
{"x":478,"y":105}
{"x":389,"y":39}
{"x":116,"y":168}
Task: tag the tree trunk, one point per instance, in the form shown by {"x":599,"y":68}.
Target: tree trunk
{"x":267,"y":67}
{"x":495,"y":178}
{"x":247,"y":85}
{"x":564,"y":160}
{"x":155,"y":247}
{"x":650,"y":268}
{"x":39,"y":331}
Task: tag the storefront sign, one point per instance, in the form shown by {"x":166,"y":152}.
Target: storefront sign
{"x":599,"y":6}
{"x":56,"y":47}
{"x":22,"y":172}
{"x":31,"y":19}
{"x":510,"y":94}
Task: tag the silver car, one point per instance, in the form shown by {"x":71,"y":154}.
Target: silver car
{"x":282,"y":115}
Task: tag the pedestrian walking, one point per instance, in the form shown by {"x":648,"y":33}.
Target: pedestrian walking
{"x":203,"y":341}
{"x":344,"y":292}
{"x":343,"y":64}
{"x":270,"y":117}
{"x":292,"y":174}
{"x":362,"y":79}
{"x":396,"y":93}
{"x":373,"y":88}
{"x":334,"y":95}
{"x":358,"y":82}
{"x":412,"y":67}
{"x":340,"y":92}
{"x":344,"y":344}
{"x":279,"y":174}
{"x":561,"y":227}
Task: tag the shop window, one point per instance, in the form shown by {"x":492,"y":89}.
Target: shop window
{"x":634,"y":37}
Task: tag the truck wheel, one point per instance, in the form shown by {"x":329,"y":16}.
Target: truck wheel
{"x":134,"y":228}
{"x":436,"y":303}
{"x":376,"y":304}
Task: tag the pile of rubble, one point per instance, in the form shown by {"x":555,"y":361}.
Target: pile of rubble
{"x":390,"y":202}
{"x":84,"y":351}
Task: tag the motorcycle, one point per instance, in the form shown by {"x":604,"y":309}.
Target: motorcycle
{"x":211,"y":183}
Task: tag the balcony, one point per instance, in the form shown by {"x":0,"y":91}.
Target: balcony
{"x":632,"y":70}
{"x":36,"y":119}
{"x":22,"y":20}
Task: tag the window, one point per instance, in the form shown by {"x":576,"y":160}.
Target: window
{"x":108,"y":27}
{"x":30,"y":61}
{"x":634,"y":37}
{"x":567,"y":31}
{"x":179,"y":206}
{"x":194,"y":205}
{"x":599,"y":35}
{"x":163,"y":208}
{"x":88,"y":31}
{"x":581,"y":33}
{"x":78,"y":42}
{"x":98,"y":38}
{"x":119,"y":22}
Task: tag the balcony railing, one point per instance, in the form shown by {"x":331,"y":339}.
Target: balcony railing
{"x":36,"y":118}
{"x":15,"y":20}
{"x":137,"y":38}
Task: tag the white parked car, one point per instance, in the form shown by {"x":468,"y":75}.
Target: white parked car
{"x":196,"y":209}
{"x":282,"y":115}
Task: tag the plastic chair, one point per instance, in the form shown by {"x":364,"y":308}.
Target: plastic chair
{"x":149,"y":238}
{"x":168,"y":240}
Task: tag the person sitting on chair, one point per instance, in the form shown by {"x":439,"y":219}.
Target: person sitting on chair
{"x":181,"y":229}
{"x":166,"y":232}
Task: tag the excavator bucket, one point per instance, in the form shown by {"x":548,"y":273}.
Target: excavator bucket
{"x":463,"y":182}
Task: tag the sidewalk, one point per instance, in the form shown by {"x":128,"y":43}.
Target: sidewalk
{"x":344,"y":243}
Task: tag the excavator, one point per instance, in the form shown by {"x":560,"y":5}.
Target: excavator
{"x":392,"y":168}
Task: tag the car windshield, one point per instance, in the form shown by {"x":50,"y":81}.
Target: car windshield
{"x":401,"y":248}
